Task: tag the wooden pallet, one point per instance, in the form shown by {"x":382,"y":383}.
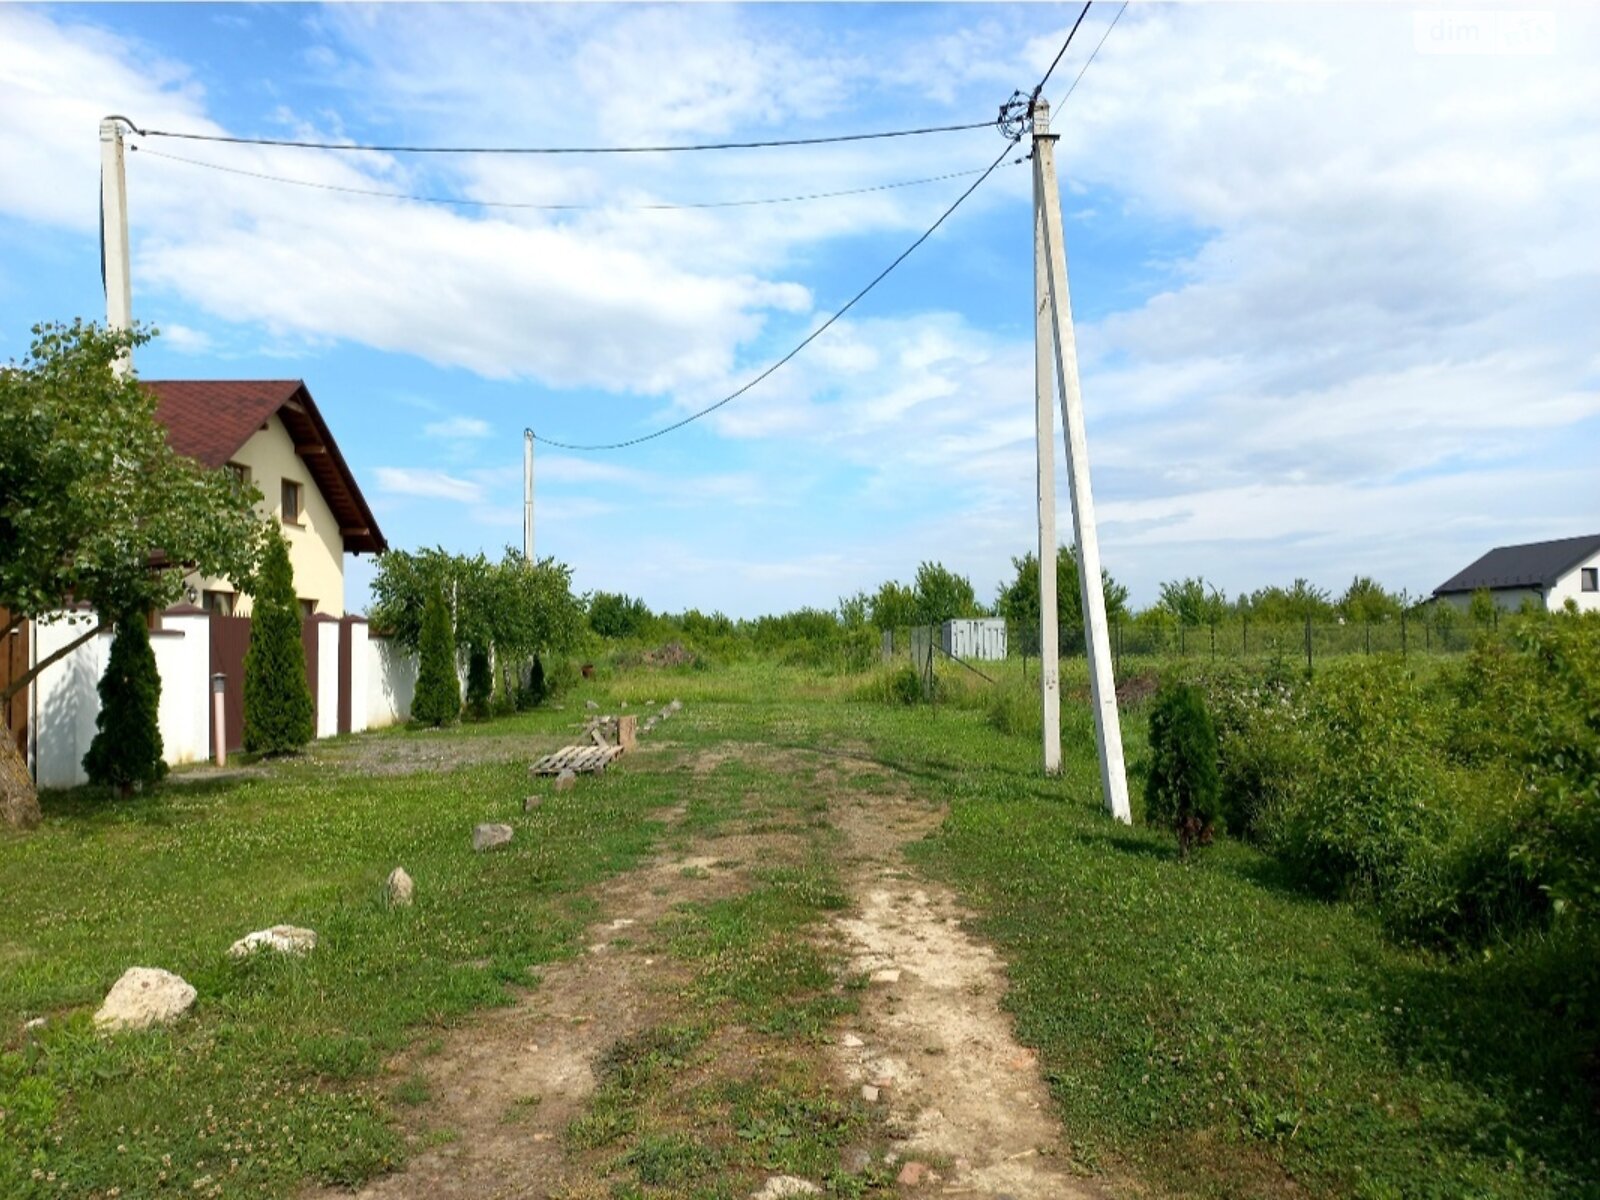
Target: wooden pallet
{"x":582,"y":760}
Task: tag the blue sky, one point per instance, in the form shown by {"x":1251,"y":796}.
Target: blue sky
{"x":1335,"y":290}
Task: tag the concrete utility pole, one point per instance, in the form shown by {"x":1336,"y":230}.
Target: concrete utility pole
{"x":527,"y":496}
{"x":1044,"y":398}
{"x":114,"y":234}
{"x":1102,"y":683}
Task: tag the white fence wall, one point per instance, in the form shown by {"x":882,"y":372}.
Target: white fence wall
{"x":328,"y":678}
{"x":391,"y":682}
{"x":982,"y":638}
{"x":64,"y":701}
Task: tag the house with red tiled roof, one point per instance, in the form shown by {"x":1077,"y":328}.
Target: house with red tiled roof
{"x":270,"y":433}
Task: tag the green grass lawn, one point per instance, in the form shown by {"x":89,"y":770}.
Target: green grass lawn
{"x":1205,"y":1028}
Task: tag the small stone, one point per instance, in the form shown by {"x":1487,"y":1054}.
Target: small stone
{"x":400,"y":888}
{"x":624,"y":704}
{"x":144,"y":996}
{"x":887,"y":975}
{"x":488,"y":836}
{"x":623,"y":922}
{"x":675,"y":706}
{"x":565,"y":781}
{"x":851,"y":1040}
{"x":285,"y":939}
{"x":912,"y":1174}
{"x":591,"y":705}
{"x":869,"y":1093}
{"x":36,"y":1023}
{"x":780,"y":1186}
{"x":856,"y":1160}
{"x":529,"y":803}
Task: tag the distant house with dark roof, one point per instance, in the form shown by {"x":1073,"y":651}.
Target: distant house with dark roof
{"x":271,"y":434}
{"x":1549,"y":573}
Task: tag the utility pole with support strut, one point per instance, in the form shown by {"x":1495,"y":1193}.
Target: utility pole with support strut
{"x":1044,"y":396}
{"x":1048,"y":244}
{"x":527,"y":496}
{"x":115,"y":269}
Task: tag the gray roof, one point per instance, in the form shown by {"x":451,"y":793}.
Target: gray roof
{"x":1535,"y":565}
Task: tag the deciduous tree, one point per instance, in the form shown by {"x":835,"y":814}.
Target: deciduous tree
{"x":96,"y":507}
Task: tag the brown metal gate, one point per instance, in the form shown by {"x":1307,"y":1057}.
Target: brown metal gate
{"x":230,"y":638}
{"x":14,"y":662}
{"x":346,"y":648}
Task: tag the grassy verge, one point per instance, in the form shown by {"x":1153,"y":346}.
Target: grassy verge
{"x":275,"y":1077}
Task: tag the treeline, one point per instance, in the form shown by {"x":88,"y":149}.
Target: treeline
{"x":516,"y":623}
{"x":844,"y":635}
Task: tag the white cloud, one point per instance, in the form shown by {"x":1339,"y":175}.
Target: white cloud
{"x":457,"y":429}
{"x":429,"y":484}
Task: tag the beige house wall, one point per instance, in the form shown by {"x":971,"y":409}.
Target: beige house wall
{"x":316,"y":548}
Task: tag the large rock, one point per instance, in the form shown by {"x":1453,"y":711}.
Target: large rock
{"x":400,"y":888}
{"x":285,"y":939}
{"x":487,"y":837}
{"x":786,"y":1185}
{"x":144,"y":996}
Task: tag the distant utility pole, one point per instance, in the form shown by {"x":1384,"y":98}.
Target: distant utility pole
{"x":1044,"y":398}
{"x":1102,"y":683}
{"x":527,"y":496}
{"x":114,"y":265}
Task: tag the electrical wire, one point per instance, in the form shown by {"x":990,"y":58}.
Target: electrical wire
{"x":1093,"y":53}
{"x":456,"y":200}
{"x":370,"y":149}
{"x":1039,"y":87}
{"x":879,"y":278}
{"x":809,"y":338}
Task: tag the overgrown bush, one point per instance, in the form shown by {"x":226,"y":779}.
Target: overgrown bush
{"x":437,"y":698}
{"x":126,"y":751}
{"x":1181,"y":790}
{"x":277,"y":699}
{"x":480,"y":683}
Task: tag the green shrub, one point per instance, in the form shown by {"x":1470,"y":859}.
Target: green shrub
{"x":1264,"y":747}
{"x":438,"y":694}
{"x":480,"y":683}
{"x":1181,"y":790}
{"x":1375,"y":802}
{"x":126,"y":750}
{"x":277,"y":698}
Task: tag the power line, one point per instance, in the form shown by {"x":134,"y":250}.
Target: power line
{"x":1057,"y":60}
{"x":370,"y":149}
{"x":1094,"y":52}
{"x":457,"y":200}
{"x":879,"y":278}
{"x":811,"y":337}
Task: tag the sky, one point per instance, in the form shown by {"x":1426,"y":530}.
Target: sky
{"x":1334,"y":271}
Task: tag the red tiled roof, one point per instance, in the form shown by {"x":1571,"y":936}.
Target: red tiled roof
{"x":210,"y":419}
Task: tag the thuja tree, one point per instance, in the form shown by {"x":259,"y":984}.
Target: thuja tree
{"x":126,"y":750}
{"x":1183,"y":790}
{"x":437,"y":698}
{"x":277,"y":698}
{"x":95,"y":506}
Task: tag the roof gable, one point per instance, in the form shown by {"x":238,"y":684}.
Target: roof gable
{"x":1532,"y":565}
{"x":208,"y":420}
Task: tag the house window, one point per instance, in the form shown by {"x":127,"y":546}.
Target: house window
{"x":220,"y":603}
{"x":1591,"y":579}
{"x":239,"y":471}
{"x":308,"y":608}
{"x":291,"y":502}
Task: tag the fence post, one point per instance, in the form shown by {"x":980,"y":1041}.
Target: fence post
{"x":1308,"y":643}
